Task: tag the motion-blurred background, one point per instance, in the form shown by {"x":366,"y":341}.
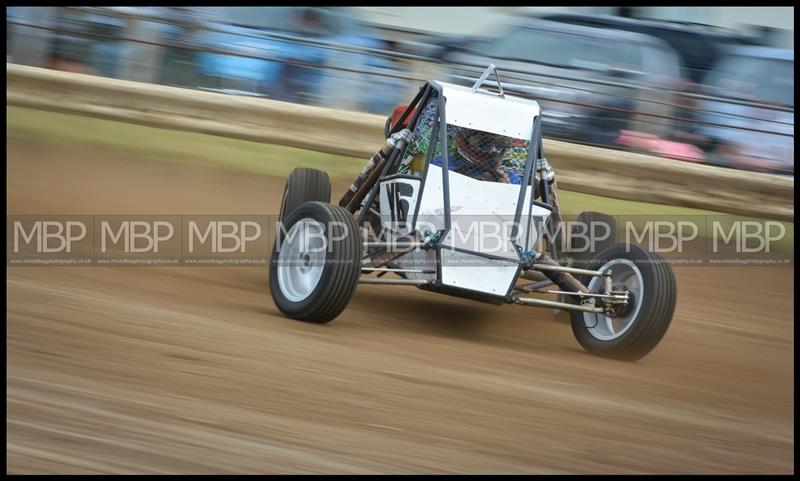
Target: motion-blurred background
{"x":710,"y":85}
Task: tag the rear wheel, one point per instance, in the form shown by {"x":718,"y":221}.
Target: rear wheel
{"x":583,"y":243}
{"x":315,"y":267}
{"x":304,"y":185}
{"x":635,"y":330}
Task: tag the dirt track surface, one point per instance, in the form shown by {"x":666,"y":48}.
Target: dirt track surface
{"x":193,"y":370}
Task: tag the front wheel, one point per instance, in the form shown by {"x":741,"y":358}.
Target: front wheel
{"x":316,"y":264}
{"x":635,"y":330}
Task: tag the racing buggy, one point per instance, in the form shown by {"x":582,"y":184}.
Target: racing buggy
{"x":462,"y":201}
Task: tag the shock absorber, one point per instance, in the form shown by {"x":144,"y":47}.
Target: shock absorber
{"x":377,"y":159}
{"x":562,"y":279}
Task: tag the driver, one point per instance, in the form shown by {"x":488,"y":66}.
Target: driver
{"x":479,"y":155}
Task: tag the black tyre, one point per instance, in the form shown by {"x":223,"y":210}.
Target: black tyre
{"x":315,"y":267}
{"x":584,"y":253}
{"x":639,"y":327}
{"x":304,"y":185}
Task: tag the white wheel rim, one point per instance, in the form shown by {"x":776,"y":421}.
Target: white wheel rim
{"x":301,"y":259}
{"x":626,"y":273}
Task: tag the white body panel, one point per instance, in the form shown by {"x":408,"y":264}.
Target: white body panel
{"x":476,"y":201}
{"x":481,"y":110}
{"x":482,"y":215}
{"x":476,"y":273}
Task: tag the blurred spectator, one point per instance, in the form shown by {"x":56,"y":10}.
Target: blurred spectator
{"x":266,"y":64}
{"x":141,"y":61}
{"x":69,"y":45}
{"x":106,"y":44}
{"x":686,"y":128}
{"x":728,"y":119}
{"x":383,"y":95}
{"x":303,"y":65}
{"x":350,"y":70}
{"x":183,"y":38}
{"x":603,"y":124}
{"x":237,"y":57}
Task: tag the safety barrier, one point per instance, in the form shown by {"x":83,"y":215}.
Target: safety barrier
{"x":580,"y":168}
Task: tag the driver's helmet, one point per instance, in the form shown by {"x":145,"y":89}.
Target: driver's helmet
{"x":481,"y":149}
